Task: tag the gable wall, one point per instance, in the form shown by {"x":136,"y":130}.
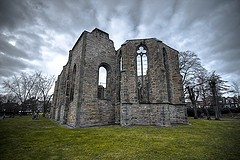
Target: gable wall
{"x":121,"y":102}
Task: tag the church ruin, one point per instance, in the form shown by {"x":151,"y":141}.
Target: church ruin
{"x":143,"y":84}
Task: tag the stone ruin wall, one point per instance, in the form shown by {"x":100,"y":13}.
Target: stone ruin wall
{"x":99,"y":51}
{"x":165,"y":104}
{"x":121,"y":104}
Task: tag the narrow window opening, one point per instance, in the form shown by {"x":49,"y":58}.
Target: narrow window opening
{"x":119,"y":76}
{"x":121,"y":63}
{"x":73,"y":83}
{"x":102,"y":82}
{"x":68,"y":86}
{"x":164,"y":58}
{"x":142,"y":69}
{"x":166,"y":66}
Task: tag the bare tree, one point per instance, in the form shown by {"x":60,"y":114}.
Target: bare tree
{"x":191,"y":69}
{"x":204,"y":90}
{"x":235,"y":88}
{"x":193,"y":96}
{"x":22,"y":86}
{"x":217,"y":88}
{"x":198,"y":83}
{"x":199,"y":88}
{"x":45,"y":83}
{"x":29,"y":87}
{"x":8,"y":98}
{"x":190,"y":66}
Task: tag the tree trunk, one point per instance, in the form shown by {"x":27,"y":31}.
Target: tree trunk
{"x":44,"y":109}
{"x":44,"y":106}
{"x":193,"y":100}
{"x":217,"y":115}
{"x":195,"y":110}
{"x":217,"y":110}
{"x":204,"y":106}
{"x":215,"y":99}
{"x":207,"y":113}
{"x":230,"y":111}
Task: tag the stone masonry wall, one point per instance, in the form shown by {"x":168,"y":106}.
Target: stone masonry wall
{"x":99,"y":51}
{"x":163,"y":81}
{"x":76,"y":101}
{"x":145,"y":114}
{"x":174,"y":71}
{"x":77,"y":59}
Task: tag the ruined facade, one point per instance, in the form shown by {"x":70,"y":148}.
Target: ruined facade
{"x":143,"y":84}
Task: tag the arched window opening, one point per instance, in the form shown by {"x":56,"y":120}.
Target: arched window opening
{"x":166,"y":67}
{"x":142,"y":67}
{"x":119,"y":76}
{"x":102,"y":82}
{"x":165,"y":58}
{"x":68,"y":86}
{"x":73,"y":83}
{"x":120,"y":60}
{"x":141,"y":61}
{"x":121,"y":63}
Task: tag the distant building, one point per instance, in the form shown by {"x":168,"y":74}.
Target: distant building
{"x":230,"y":102}
{"x":9,"y":108}
{"x":143,"y":84}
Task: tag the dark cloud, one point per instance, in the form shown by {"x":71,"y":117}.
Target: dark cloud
{"x":223,"y":45}
{"x":33,"y":45}
{"x":66,"y":17}
{"x":42,"y":31}
{"x":10,"y":65}
{"x":9,"y":49}
{"x":16,"y":14}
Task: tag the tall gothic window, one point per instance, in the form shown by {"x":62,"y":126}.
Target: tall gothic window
{"x":120,"y":62}
{"x":73,"y":83}
{"x":141,"y":61}
{"x":68,"y":86}
{"x":142,"y":66}
{"x":166,"y":66}
{"x":165,"y":58}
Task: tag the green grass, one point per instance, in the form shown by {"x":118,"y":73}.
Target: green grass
{"x":23,"y":138}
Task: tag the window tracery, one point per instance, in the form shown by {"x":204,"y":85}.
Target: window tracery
{"x":142,"y":69}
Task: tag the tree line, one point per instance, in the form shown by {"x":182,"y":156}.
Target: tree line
{"x":198,"y":84}
{"x":27,"y":89}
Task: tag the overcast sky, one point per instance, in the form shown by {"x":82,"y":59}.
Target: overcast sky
{"x":37,"y":34}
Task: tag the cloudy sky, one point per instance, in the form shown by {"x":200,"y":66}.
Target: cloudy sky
{"x":37,"y":34}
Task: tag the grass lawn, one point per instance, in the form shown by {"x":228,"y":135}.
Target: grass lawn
{"x":24,"y":138}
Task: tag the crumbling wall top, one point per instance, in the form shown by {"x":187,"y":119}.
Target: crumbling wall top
{"x":101,"y":33}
